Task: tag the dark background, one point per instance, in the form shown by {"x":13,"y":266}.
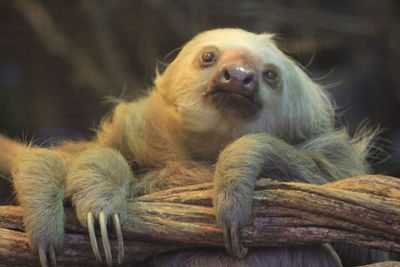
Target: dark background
{"x":59,"y":59}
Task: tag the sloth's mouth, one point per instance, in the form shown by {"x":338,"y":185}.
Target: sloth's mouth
{"x":234,"y":103}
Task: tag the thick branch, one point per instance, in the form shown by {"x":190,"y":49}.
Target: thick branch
{"x":361,"y":210}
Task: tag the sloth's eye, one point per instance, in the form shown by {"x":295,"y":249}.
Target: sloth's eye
{"x":270,"y":75}
{"x":208,"y":58}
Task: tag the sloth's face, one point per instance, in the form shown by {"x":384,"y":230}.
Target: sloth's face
{"x":225,"y":76}
{"x":237,"y":81}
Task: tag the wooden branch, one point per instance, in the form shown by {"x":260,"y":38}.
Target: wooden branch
{"x":363,"y":210}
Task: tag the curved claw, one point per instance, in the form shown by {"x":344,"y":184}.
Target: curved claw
{"x":42,"y":256}
{"x":92,"y":236}
{"x":120,"y":239}
{"x":104,"y":237}
{"x":227,"y":239}
{"x":238,"y":249}
{"x":232,"y":242}
{"x":53,"y":258}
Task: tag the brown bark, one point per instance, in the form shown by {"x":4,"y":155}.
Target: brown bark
{"x":362,"y":210}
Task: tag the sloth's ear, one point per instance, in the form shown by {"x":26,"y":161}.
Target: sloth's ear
{"x":307,"y":110}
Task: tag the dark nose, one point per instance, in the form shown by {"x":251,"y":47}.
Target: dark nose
{"x":238,"y":79}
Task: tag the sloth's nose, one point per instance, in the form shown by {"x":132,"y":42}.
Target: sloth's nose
{"x":237,"y":79}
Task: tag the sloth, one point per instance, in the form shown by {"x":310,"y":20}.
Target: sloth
{"x":231,"y":108}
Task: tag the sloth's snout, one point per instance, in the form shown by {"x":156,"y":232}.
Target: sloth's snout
{"x":235,"y":78}
{"x":233,"y":89}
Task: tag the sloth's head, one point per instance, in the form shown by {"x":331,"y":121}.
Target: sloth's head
{"x":238,"y":82}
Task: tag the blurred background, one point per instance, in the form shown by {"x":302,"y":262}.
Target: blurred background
{"x":60,"y":59}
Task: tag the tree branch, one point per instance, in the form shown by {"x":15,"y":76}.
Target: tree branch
{"x":363,"y":210}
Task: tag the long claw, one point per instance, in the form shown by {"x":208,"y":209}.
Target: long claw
{"x":42,"y":256}
{"x":120,"y":239}
{"x":239,"y":251}
{"x":227,"y":239}
{"x":92,"y":235}
{"x":53,"y":258}
{"x":232,"y":243}
{"x":104,"y":237}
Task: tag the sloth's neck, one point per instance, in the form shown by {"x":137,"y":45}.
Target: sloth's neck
{"x":169,"y":140}
{"x":149,"y":132}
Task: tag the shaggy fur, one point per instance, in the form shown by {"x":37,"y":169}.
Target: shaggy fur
{"x":185,"y":131}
